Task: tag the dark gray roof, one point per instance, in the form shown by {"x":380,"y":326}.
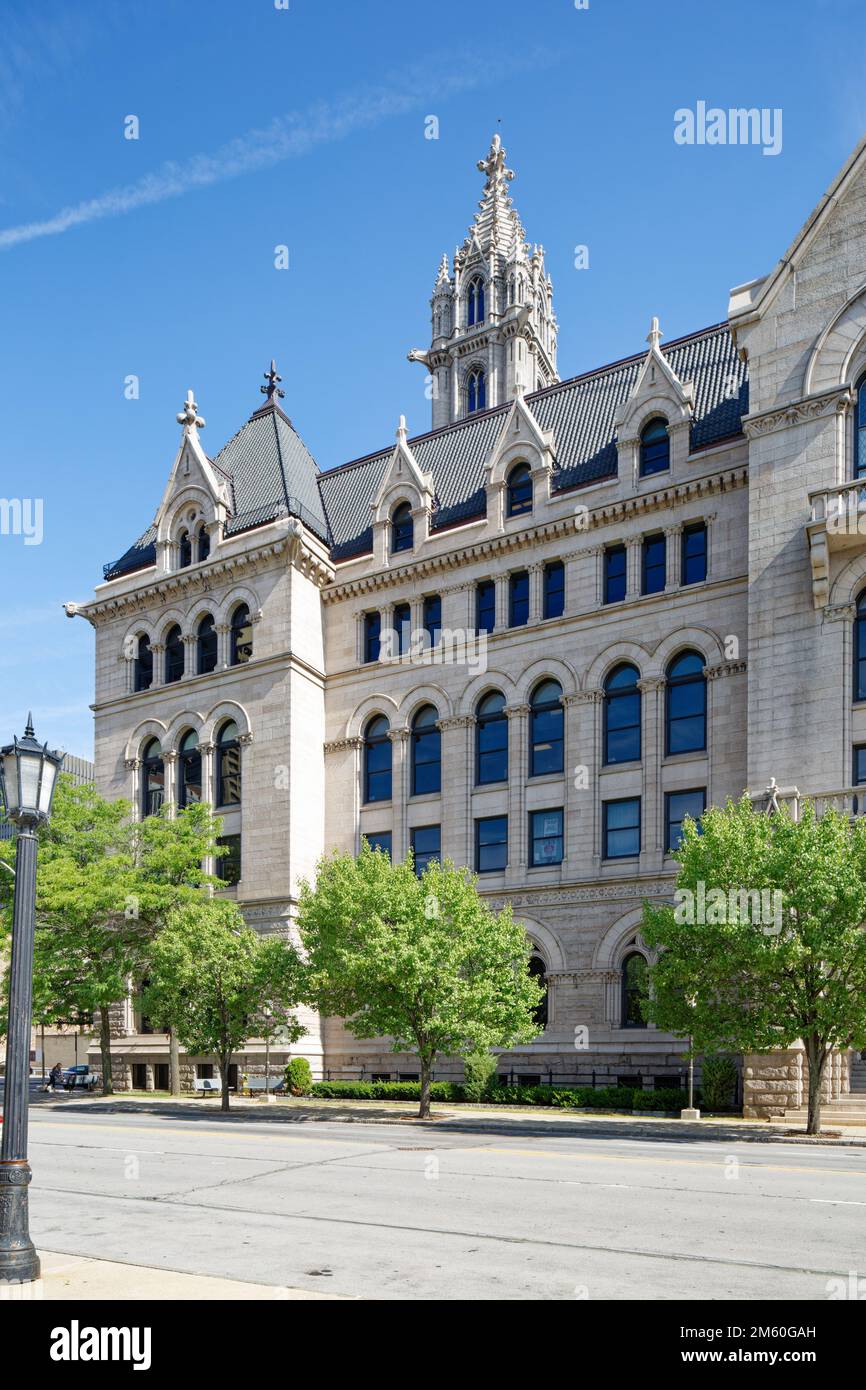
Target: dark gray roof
{"x":273,"y":474}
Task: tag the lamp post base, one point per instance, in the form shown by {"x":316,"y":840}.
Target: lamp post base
{"x":19,"y":1262}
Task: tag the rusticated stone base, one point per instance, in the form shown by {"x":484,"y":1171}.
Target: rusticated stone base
{"x":774,"y":1082}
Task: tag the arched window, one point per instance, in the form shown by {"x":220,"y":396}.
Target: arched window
{"x":377,"y":760}
{"x":860,"y":430}
{"x":686,"y":704}
{"x":202,"y":543}
{"x":538,"y":971}
{"x":189,"y":771}
{"x":655,"y":447}
{"x":491,"y":739}
{"x":546,"y":729}
{"x":241,"y":636}
{"x":402,"y":528}
{"x":519,"y":490}
{"x":206,"y":643}
{"x":143,"y":672}
{"x":860,"y":649}
{"x":426,"y":752}
{"x":475,"y":302}
{"x":634,"y":985}
{"x":185,"y":546}
{"x":622,"y":715}
{"x":228,"y":765}
{"x":173,"y":655}
{"x":476,"y":390}
{"x":152,"y":778}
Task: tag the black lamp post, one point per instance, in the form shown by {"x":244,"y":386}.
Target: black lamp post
{"x":28,"y":774}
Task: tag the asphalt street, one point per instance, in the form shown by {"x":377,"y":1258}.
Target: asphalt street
{"x":456,"y":1210}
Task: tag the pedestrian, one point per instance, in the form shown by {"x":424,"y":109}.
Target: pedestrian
{"x":55,"y":1076}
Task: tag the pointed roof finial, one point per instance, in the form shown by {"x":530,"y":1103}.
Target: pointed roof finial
{"x":401,"y":430}
{"x":443,"y":275}
{"x":189,"y":416}
{"x":273,"y":379}
{"x":494,"y":165}
{"x":654,"y":335}
{"x":28,"y":732}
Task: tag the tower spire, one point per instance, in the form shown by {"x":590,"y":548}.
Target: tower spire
{"x":273,"y":379}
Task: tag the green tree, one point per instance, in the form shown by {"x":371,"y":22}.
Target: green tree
{"x":765,"y":945}
{"x":423,"y":960}
{"x":212,"y":975}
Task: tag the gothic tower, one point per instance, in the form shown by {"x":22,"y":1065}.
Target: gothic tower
{"x":493,"y":325}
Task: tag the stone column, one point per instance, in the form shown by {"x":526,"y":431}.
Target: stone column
{"x":224,"y":654}
{"x":190,"y":644}
{"x":652,"y":748}
{"x":632,"y":567}
{"x":518,"y":771}
{"x":501,"y":582}
{"x":158,"y":665}
{"x":458,"y":763}
{"x":399,"y":792}
{"x":133,"y":766}
{"x":536,"y":581}
{"x":169,"y":761}
{"x":673,"y":546}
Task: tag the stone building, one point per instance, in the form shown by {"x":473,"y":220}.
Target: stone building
{"x":530,"y":640}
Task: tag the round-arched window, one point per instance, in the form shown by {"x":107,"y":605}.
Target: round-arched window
{"x":426,"y":752}
{"x":173,"y":655}
{"x":185,"y":550}
{"x":491,"y":739}
{"x":546,"y":729}
{"x":377,"y":760}
{"x":152,"y":778}
{"x":241,"y":636}
{"x":143,"y":666}
{"x":655,"y":447}
{"x":538,"y":970}
{"x":686,"y":704}
{"x":519,"y":490}
{"x":228,"y":765}
{"x":634,"y":989}
{"x":402,"y":528}
{"x":206,"y":642}
{"x":189,"y":784}
{"x":622,"y":715}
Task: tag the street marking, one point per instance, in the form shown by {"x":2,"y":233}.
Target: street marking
{"x":835,"y":1202}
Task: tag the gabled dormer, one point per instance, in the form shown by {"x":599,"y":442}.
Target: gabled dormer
{"x":196,"y":501}
{"x":517,"y":475}
{"x":402,"y":506}
{"x":652,"y":424}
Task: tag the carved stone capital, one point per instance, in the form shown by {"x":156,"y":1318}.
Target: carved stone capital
{"x":339,"y":745}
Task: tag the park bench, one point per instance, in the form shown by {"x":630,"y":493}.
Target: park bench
{"x":257,"y":1083}
{"x":206,"y":1085}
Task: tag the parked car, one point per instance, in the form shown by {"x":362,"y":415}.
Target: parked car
{"x":79,"y":1078}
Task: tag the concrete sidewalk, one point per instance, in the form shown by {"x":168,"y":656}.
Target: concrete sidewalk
{"x":74,"y":1277}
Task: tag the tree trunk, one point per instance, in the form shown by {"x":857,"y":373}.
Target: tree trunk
{"x":224,"y":1064}
{"x":174,"y":1062}
{"x":424,"y":1107}
{"x":105,"y":1050}
{"x":816,"y":1056}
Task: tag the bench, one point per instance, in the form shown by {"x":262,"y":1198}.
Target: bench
{"x":206,"y":1085}
{"x":257,"y":1083}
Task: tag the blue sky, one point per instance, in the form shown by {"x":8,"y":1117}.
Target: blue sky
{"x":305,"y":127}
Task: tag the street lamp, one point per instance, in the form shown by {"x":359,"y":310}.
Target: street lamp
{"x":28,"y":774}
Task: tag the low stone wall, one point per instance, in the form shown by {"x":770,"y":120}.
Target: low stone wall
{"x":774,"y":1082}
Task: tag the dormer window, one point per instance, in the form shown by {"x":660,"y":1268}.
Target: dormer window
{"x":655,"y":448}
{"x":185,"y":550}
{"x":476,"y":390}
{"x":519,"y":490}
{"x":475,"y":302}
{"x":402,"y":529}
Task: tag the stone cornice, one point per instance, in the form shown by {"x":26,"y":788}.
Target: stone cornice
{"x":797,"y":412}
{"x":596,"y":891}
{"x":605,"y":515}
{"x":726,"y":668}
{"x":340,"y":745}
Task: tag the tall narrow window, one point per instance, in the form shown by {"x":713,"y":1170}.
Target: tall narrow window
{"x":206,"y":643}
{"x":202,"y":543}
{"x":189,"y":771}
{"x":694,"y":554}
{"x":614,"y":574}
{"x":554,"y":589}
{"x":433,"y":619}
{"x":860,"y":431}
{"x":241,"y":636}
{"x":476,"y":390}
{"x":546,"y":729}
{"x":519,"y":494}
{"x":426,"y":752}
{"x":402,"y":628}
{"x":518,"y":599}
{"x":634,"y":991}
{"x":185,"y":548}
{"x":491,"y":844}
{"x":143,"y":665}
{"x":622,"y":715}
{"x":491,"y":740}
{"x":426,"y":846}
{"x":152,"y":778}
{"x":485,"y":606}
{"x":655,"y":448}
{"x":653,"y":564}
{"x":402,"y":528}
{"x":475,"y":303}
{"x":621,"y":827}
{"x":228,"y":765}
{"x":860,"y":649}
{"x":377,"y":760}
{"x":372,"y":636}
{"x":538,"y":971}
{"x":173,"y":655}
{"x":229,"y":864}
{"x":686,"y":705}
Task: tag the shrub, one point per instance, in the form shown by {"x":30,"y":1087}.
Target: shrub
{"x":299,"y":1077}
{"x":384,"y":1090}
{"x":667,"y":1098}
{"x":718,"y":1081}
{"x":479,"y":1070}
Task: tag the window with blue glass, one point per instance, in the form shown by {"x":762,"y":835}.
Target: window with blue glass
{"x":614,"y":574}
{"x":655,"y":448}
{"x":372,"y":636}
{"x":433,"y":619}
{"x":402,"y":528}
{"x":143,"y":664}
{"x":475,"y":302}
{"x":546,"y":729}
{"x":377,"y":760}
{"x":425,"y":846}
{"x":679,"y":805}
{"x":485,"y":606}
{"x":491,"y":739}
{"x":694,"y":554}
{"x":621,"y":821}
{"x":860,"y":649}
{"x":860,"y":430}
{"x":402,"y":628}
{"x":519,"y":493}
{"x":859,"y":774}
{"x":426,"y":752}
{"x":554,"y":589}
{"x":476,"y":390}
{"x":379,"y":839}
{"x":206,"y":645}
{"x":173,"y":655}
{"x":491,"y":844}
{"x":686,"y":705}
{"x":622,"y":707}
{"x":653,"y":564}
{"x":189,"y":780}
{"x":152,"y":779}
{"x":545,"y":838}
{"x":518,"y":599}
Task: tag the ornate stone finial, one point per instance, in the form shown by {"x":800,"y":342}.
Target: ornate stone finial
{"x":28,"y":732}
{"x":273,"y":379}
{"x":189,"y":416}
{"x":443,"y":275}
{"x":401,"y":430}
{"x":654,"y":335}
{"x":494,"y":165}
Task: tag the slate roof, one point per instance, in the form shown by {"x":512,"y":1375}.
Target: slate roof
{"x":273,"y":474}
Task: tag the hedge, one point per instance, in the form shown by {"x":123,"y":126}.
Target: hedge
{"x":563,"y":1097}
